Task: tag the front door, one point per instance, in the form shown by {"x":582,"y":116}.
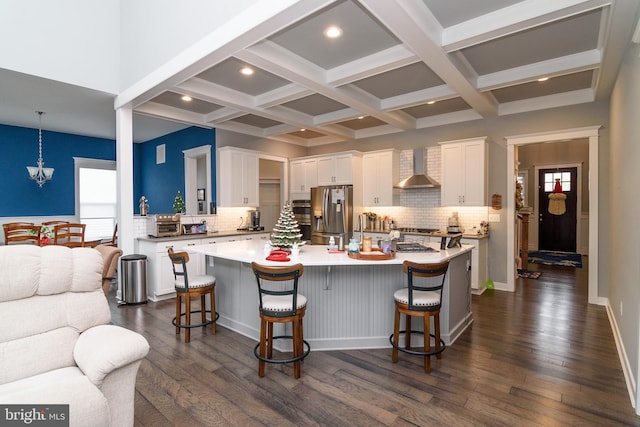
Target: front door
{"x":557,"y":232}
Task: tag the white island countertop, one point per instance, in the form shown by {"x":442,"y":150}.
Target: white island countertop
{"x":318,"y":255}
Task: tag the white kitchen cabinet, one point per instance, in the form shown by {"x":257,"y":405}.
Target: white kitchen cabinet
{"x":339,"y":169}
{"x":464,"y":172}
{"x":478,"y":263}
{"x":380,"y":172}
{"x":237,"y":177}
{"x":159,"y":271}
{"x":304,"y":176}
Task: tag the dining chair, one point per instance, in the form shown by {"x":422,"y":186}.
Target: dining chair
{"x":71,"y":235}
{"x":21,"y":233}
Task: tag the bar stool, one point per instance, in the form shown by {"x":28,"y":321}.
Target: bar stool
{"x":280,"y":303}
{"x":188,"y":287}
{"x":423,"y":301}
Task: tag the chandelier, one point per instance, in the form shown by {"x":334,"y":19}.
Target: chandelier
{"x":40,"y":174}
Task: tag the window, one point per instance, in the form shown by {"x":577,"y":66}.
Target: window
{"x":550,"y":181}
{"x":523,"y":178}
{"x":96,"y":197}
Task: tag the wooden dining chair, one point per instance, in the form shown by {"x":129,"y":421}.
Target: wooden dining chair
{"x":71,"y":235}
{"x":21,"y":233}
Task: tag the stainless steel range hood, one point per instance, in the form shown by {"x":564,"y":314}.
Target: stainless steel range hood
{"x":419,"y":179}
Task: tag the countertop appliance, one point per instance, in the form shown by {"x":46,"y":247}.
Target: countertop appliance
{"x":332,"y":213}
{"x":166,"y":225}
{"x":255,"y":221}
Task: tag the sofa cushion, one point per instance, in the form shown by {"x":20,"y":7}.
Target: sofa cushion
{"x":87,"y":405}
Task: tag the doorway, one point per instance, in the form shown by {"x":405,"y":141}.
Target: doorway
{"x":557,"y":232}
{"x":591,"y":133}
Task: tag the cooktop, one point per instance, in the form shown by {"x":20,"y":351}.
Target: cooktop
{"x":417,"y":230}
{"x":413,"y":247}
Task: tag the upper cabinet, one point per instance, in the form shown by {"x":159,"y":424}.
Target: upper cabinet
{"x":338,"y":169}
{"x":380,"y":172}
{"x":304,"y":175}
{"x":237,"y":177}
{"x":464,"y":172}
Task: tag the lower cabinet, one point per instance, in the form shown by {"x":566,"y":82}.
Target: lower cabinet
{"x":478,"y":264}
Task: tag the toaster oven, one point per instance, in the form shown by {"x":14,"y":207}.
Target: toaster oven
{"x":167,"y":225}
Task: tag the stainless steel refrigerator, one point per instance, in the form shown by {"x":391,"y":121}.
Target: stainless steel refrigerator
{"x":331,"y":213}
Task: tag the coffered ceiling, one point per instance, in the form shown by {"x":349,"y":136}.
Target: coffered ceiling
{"x":398,"y":65}
{"x":403,"y":65}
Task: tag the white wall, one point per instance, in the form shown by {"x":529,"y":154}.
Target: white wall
{"x":71,"y":41}
{"x":624,"y":199}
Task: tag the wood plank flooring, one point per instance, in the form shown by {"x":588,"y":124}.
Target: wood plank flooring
{"x":539,"y":356}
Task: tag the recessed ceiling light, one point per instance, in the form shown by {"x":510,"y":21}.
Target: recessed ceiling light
{"x":302,"y":130}
{"x":247,"y":71}
{"x":361,"y":117}
{"x":543,"y":79}
{"x":431,"y":102}
{"x":333,"y":32}
{"x":186,"y":98}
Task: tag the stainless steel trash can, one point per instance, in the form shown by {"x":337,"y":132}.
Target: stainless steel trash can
{"x":134,"y":279}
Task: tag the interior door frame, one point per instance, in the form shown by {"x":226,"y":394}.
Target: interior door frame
{"x":590,"y":132}
{"x":536,"y":205}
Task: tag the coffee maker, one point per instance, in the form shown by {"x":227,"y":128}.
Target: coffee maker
{"x":255,"y":221}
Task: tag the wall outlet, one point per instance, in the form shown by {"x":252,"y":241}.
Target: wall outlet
{"x":494,"y":217}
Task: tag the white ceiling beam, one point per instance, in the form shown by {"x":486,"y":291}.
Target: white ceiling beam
{"x":377,"y":63}
{"x":418,"y":97}
{"x":283,"y":63}
{"x":336,"y":116}
{"x":551,"y":68}
{"x":175,"y":114}
{"x":222,"y":115}
{"x":545,"y":102}
{"x":414,"y":24}
{"x":283,"y":94}
{"x":513,"y":19}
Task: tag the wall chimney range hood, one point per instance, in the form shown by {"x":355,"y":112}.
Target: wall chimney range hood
{"x":419,"y":179}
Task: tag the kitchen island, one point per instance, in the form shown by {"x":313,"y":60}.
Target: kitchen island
{"x":350,"y":301}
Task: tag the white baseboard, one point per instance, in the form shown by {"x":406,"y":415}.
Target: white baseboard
{"x":622,"y":355}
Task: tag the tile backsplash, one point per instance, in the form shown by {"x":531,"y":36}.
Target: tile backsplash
{"x":420,"y":208}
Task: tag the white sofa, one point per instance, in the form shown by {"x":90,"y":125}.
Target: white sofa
{"x":56,"y":344}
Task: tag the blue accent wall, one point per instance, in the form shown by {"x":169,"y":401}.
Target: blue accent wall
{"x":21,"y":196}
{"x":159,"y":183}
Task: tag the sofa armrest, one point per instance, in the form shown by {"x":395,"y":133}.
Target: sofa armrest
{"x":105,"y":348}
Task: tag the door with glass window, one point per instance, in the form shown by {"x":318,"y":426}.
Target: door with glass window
{"x":557,"y":232}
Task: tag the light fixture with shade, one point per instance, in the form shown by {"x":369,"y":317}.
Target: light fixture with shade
{"x":39,"y":173}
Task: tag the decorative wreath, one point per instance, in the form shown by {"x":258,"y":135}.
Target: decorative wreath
{"x":557,"y":204}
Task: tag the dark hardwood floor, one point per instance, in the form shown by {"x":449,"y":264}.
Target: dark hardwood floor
{"x":539,"y":356}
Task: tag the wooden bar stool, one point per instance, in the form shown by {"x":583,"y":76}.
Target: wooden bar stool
{"x":280,"y":304}
{"x":188,"y":287}
{"x":423,"y":301}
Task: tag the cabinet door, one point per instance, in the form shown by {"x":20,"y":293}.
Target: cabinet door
{"x":370,"y":177}
{"x":250,"y":184}
{"x":297,"y":182}
{"x":452,"y":175}
{"x":326,"y":168}
{"x":343,"y":169}
{"x":475,"y":174}
{"x":304,"y":176}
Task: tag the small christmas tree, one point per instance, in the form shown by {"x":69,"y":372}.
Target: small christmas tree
{"x":178,"y":203}
{"x":286,"y":231}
